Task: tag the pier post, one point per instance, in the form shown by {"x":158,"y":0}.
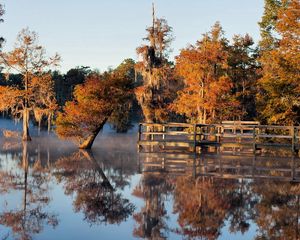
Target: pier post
{"x":195,"y":138}
{"x":139,"y":137}
{"x":254,"y":140}
{"x":293,"y":135}
{"x":218,"y":134}
{"x":293,"y":170}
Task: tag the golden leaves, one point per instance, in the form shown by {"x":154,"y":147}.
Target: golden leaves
{"x":203,"y":68}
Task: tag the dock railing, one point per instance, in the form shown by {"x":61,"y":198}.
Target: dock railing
{"x":228,"y":134}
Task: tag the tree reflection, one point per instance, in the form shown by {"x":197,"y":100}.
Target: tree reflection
{"x":151,"y":220}
{"x":95,"y":196}
{"x":206,"y":204}
{"x":213,"y":202}
{"x":32,"y":182}
{"x":201,"y":205}
{"x":278,"y":210}
{"x":242,"y":201}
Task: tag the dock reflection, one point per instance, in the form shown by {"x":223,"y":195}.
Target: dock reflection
{"x":224,"y":165}
{"x":213,"y":191}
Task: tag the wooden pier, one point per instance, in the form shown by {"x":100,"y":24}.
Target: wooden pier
{"x":177,"y":137}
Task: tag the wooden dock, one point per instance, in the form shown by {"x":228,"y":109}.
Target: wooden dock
{"x":185,"y":137}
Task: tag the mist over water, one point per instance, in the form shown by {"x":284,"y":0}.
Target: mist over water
{"x":50,"y":189}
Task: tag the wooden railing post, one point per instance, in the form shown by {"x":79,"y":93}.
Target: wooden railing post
{"x":195,"y":137}
{"x":139,"y":137}
{"x":254,"y":139}
{"x":296,"y":140}
{"x":194,"y":166}
{"x":163,"y":136}
{"x":253,"y":165}
{"x":293,"y":170}
{"x":218,"y":134}
{"x":140,"y":132}
{"x":152,"y":129}
{"x":293,"y":135}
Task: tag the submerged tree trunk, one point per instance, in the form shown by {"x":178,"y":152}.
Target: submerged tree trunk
{"x":25,"y":168}
{"x":26,"y":136}
{"x":40,"y":123}
{"x":88,"y":142}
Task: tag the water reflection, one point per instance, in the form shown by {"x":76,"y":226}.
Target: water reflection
{"x":217,"y":192}
{"x":215,"y":203}
{"x":82,"y":175}
{"x":278,"y":210}
{"x":151,"y":219}
{"x":168,"y":196}
{"x":32,"y":184}
{"x":28,"y":170}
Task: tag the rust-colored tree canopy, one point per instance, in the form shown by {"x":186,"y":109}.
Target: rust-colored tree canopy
{"x":36,"y":91}
{"x":94,"y":102}
{"x":280,"y":93}
{"x":213,"y":80}
{"x":205,"y":95}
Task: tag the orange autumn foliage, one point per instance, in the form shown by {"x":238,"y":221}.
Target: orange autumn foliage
{"x":279,"y":98}
{"x":29,"y":59}
{"x":205,"y":96}
{"x":94,"y":102}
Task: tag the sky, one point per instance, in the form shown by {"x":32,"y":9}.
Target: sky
{"x":101,"y":34}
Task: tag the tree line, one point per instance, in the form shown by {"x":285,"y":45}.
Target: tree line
{"x":212,"y":80}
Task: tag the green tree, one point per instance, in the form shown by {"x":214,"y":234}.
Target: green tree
{"x":268,"y":24}
{"x":121,"y":117}
{"x":243,"y":71}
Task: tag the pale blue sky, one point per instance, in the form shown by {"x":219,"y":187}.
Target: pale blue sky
{"x":100,"y":34}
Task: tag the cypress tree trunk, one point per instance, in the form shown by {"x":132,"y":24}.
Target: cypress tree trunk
{"x":88,"y":142}
{"x":26,"y":136}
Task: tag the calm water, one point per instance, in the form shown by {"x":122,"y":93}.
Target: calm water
{"x":50,"y":190}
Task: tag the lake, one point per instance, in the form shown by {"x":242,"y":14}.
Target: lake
{"x":51,"y":190}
